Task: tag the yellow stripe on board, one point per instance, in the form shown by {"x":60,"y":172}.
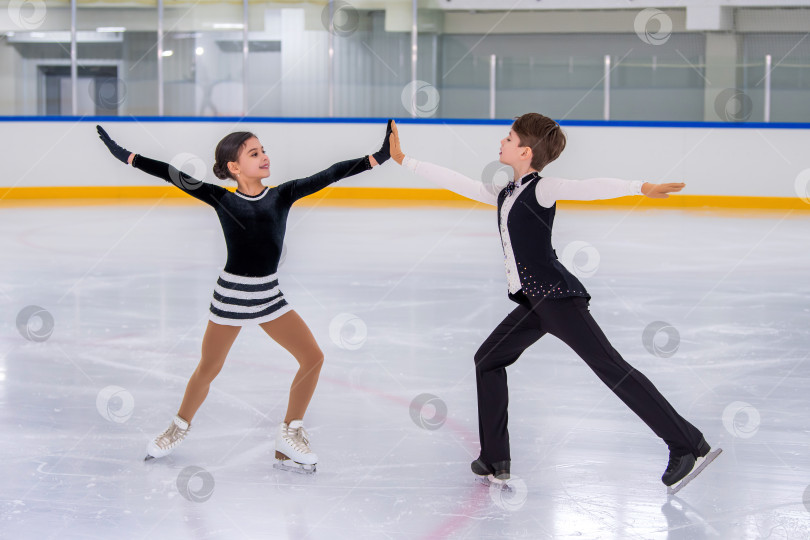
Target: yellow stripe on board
{"x":371,"y":197}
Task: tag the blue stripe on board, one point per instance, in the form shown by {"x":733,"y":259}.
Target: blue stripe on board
{"x":428,"y":121}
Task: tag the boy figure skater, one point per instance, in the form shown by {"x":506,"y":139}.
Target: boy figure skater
{"x":552,"y":300}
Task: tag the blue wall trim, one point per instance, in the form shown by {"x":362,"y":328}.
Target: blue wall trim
{"x":440,"y":121}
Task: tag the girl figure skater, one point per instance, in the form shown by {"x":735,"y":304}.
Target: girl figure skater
{"x":550,"y":299}
{"x":253,"y":220}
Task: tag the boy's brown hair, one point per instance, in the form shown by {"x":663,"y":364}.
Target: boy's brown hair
{"x":543,"y":135}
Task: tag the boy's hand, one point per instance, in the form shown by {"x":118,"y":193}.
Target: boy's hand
{"x":660,"y":191}
{"x":396,"y":150}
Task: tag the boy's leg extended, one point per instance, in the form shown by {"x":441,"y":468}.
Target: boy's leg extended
{"x":519,"y":330}
{"x":570,"y":320}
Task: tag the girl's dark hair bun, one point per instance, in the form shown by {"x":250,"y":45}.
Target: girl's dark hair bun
{"x":221,"y":172}
{"x":228,"y":150}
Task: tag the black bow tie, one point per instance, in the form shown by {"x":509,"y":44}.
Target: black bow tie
{"x":512,"y":185}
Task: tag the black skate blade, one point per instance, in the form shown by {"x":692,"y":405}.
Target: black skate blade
{"x":292,"y":466}
{"x":711,"y":456}
{"x":148,"y":457}
{"x":491,"y":481}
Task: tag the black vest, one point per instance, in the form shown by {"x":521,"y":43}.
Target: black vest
{"x":541,"y":274}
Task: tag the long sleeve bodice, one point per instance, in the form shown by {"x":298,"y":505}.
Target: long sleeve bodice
{"x":253,"y":226}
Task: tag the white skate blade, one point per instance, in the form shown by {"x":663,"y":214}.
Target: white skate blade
{"x":490,"y":481}
{"x":701,"y":464}
{"x":293,"y":466}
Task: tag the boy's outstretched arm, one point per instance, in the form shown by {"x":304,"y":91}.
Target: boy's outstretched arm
{"x":551,"y":189}
{"x":442,"y":176}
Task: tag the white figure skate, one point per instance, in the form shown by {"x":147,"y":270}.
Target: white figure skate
{"x":292,"y":449}
{"x":166,"y":442}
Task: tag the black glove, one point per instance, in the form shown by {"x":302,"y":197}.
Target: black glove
{"x":385,"y":152}
{"x":120,"y":153}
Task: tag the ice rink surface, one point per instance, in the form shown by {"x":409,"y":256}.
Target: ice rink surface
{"x":714,"y":309}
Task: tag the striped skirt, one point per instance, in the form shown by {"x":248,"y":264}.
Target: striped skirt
{"x":242,"y":301}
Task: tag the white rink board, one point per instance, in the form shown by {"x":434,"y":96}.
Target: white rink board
{"x":711,"y":161}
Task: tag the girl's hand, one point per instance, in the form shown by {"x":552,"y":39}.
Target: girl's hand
{"x":396,"y":150}
{"x":384,"y":153}
{"x":660,"y":191}
{"x":120,"y":153}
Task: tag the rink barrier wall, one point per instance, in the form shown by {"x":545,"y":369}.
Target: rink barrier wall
{"x":374,"y":197}
{"x":59,"y":160}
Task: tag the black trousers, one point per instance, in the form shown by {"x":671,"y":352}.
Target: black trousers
{"x":569,"y":320}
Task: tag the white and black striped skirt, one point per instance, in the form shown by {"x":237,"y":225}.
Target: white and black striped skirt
{"x":242,"y":301}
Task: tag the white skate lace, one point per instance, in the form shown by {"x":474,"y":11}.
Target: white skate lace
{"x":173,"y":435}
{"x":298,"y":439}
{"x":302,"y":434}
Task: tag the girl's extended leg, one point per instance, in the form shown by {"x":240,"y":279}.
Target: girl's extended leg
{"x":216,"y":343}
{"x":291,"y":332}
